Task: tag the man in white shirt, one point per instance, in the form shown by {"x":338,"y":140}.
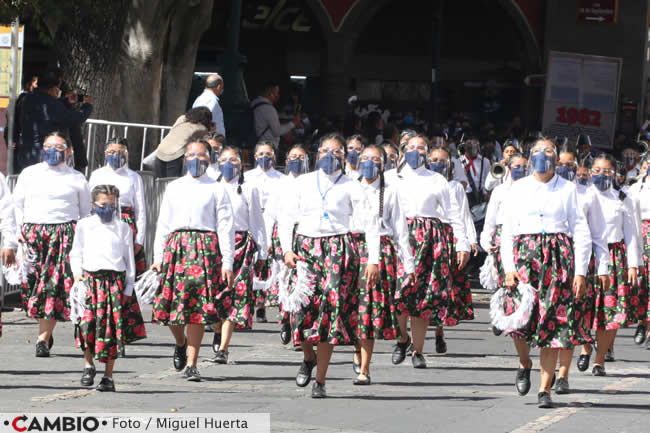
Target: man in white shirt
{"x":477,"y":168}
{"x":210,"y":98}
{"x":265,"y":117}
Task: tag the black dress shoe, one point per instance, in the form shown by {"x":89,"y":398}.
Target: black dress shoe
{"x":180,"y":357}
{"x":221,"y":357}
{"x":544,"y":400}
{"x":318,"y":390}
{"x":562,"y":386}
{"x":216,"y":341}
{"x":399,"y":351}
{"x":365,"y":381}
{"x":441,"y":344}
{"x":260,"y":315}
{"x":304,"y":373}
{"x":88,"y":377}
{"x":356,"y":367}
{"x":41,"y":350}
{"x":418,"y":361}
{"x":522,"y":381}
{"x":106,"y":385}
{"x":640,"y":334}
{"x":192,"y":374}
{"x":583,"y":362}
{"x":496,"y":331}
{"x":50,"y":342}
{"x":598,"y":370}
{"x":285,"y":333}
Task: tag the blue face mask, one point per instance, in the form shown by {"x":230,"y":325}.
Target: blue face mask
{"x":353,"y":158}
{"x":569,"y":173}
{"x":542,"y":162}
{"x":116,"y":160}
{"x":414,"y":159}
{"x":214,"y":157}
{"x":229,"y":170}
{"x":517,"y":173}
{"x":196,"y":167}
{"x":105,"y":213}
{"x":629,"y":161}
{"x":390,"y":164}
{"x":265,"y":163}
{"x":647,"y":170}
{"x":583,"y":180}
{"x":329,"y":163}
{"x":602,"y":182}
{"x":53,"y":157}
{"x":295,"y":166}
{"x":438,"y":167}
{"x":369,"y":169}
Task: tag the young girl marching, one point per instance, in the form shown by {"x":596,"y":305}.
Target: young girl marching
{"x":132,"y":210}
{"x":193,"y":250}
{"x":102,"y":257}
{"x":426,"y":199}
{"x":49,"y":199}
{"x":354,"y":145}
{"x":378,"y":317}
{"x":250,"y":246}
{"x":322,"y":206}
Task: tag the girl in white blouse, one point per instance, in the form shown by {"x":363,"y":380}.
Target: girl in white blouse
{"x":378,"y":317}
{"x":616,"y":306}
{"x":194,"y":249}
{"x":322,"y":206}
{"x":102,"y":256}
{"x":426,"y":200}
{"x":545,"y":243}
{"x":49,"y":199}
{"x":354,"y":146}
{"x":250,"y":246}
{"x":132,"y":211}
{"x":7,"y":228}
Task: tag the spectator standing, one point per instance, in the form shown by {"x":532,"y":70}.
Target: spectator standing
{"x":265,"y":117}
{"x":71,"y":100}
{"x":30,"y":82}
{"x":210,"y":99}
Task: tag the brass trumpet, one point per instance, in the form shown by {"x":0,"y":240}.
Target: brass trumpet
{"x":498,"y":170}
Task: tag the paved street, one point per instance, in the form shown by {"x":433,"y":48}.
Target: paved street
{"x":470,"y":389}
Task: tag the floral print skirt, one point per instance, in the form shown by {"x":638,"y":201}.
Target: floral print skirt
{"x":331,"y":316}
{"x":496,"y":241}
{"x":128,"y":216}
{"x":461,"y":306}
{"x":269,"y":298}
{"x":192,"y":290}
{"x":243,"y":300}
{"x":644,"y":274}
{"x":46,"y":294}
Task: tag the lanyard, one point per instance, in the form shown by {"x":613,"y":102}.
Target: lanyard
{"x":323,"y":195}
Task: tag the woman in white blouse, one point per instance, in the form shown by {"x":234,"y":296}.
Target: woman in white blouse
{"x":378,"y":317}
{"x":250,"y":247}
{"x":194,"y":249}
{"x":102,"y":256}
{"x":49,"y":199}
{"x":322,"y":206}
{"x":7,"y":228}
{"x":545,"y":243}
{"x":617,"y":306}
{"x":426,"y":199}
{"x":133,"y":211}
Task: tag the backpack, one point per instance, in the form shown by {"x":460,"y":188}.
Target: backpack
{"x":247,"y":126}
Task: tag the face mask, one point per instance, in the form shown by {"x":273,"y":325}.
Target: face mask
{"x":329,"y":163}
{"x":629,"y":161}
{"x":229,"y":170}
{"x":196,"y":167}
{"x":542,"y":163}
{"x":105,"y":213}
{"x":264,"y":162}
{"x":601,"y":181}
{"x":390,"y":164}
{"x":583,"y":180}
{"x":369,"y":169}
{"x":295,"y":166}
{"x":438,"y":167}
{"x":517,"y":173}
{"x":472,"y":152}
{"x":353,"y":158}
{"x":116,"y":160}
{"x":214,"y":157}
{"x":53,"y":156}
{"x":569,"y":173}
{"x":414,"y":159}
{"x":647,"y":170}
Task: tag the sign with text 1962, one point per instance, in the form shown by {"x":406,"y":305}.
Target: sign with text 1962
{"x":598,"y":11}
{"x":581,"y":97}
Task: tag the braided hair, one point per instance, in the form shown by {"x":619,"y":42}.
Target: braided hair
{"x":236,"y":151}
{"x":613,"y":162}
{"x":382,"y":181}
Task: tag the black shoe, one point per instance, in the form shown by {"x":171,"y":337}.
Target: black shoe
{"x":418,"y":361}
{"x":583,"y":362}
{"x":522,"y":381}
{"x":180,"y":357}
{"x":192,"y":374}
{"x":260,"y":315}
{"x":609,"y":356}
{"x":318,"y":390}
{"x":640,"y":334}
{"x":221,"y":357}
{"x":50,"y":342}
{"x":598,"y":370}
{"x":553,"y":380}
{"x":544,"y":400}
{"x":88,"y":378}
{"x":285,"y":333}
{"x":216,"y":341}
{"x":356,"y":367}
{"x":441,"y":344}
{"x":304,"y":373}
{"x":41,"y":350}
{"x":399,"y":351}
{"x":562,"y":386}
{"x":365,"y":381}
{"x":106,"y":385}
{"x":496,"y":331}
